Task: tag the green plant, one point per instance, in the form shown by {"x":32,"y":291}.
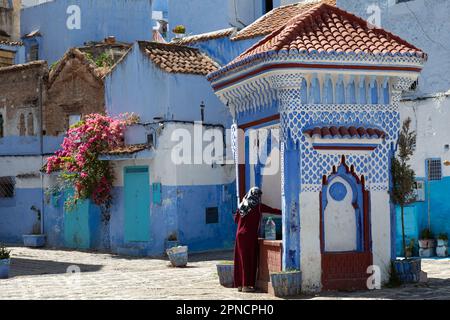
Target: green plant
{"x":289,"y":271}
{"x":443,"y":236}
{"x":5,"y":254}
{"x":410,"y":248}
{"x":426,"y":234}
{"x":103,"y":60}
{"x":179,"y":29}
{"x":226,"y":263}
{"x":403,"y":177}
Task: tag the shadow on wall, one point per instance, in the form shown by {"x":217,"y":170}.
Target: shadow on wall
{"x":29,"y":267}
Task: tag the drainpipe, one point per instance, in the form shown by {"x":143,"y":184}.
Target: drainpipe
{"x":41,"y":145}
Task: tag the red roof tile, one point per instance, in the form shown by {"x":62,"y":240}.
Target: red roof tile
{"x":275,"y":19}
{"x":128,"y":149}
{"x":345,"y":132}
{"x":178,"y":59}
{"x":326,"y":28}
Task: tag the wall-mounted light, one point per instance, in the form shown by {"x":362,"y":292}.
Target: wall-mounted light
{"x":202,"y":111}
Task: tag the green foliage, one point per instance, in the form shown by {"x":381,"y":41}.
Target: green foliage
{"x":226,"y":263}
{"x":443,"y":236}
{"x":179,"y":29}
{"x":103,"y":60}
{"x":5,"y":254}
{"x":426,"y":234}
{"x":403,"y":176}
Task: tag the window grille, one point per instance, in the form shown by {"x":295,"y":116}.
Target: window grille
{"x":7,"y":185}
{"x":212,"y":215}
{"x":434,"y":169}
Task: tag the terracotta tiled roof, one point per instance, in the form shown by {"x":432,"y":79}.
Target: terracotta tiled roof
{"x":178,"y":59}
{"x":11,"y":43}
{"x":275,"y":19}
{"x":205,"y":36}
{"x":128,"y":149}
{"x":325,"y":28}
{"x":345,"y":132}
{"x":17,"y":67}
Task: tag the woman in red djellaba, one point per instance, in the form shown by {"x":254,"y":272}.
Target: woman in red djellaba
{"x":248,"y":218}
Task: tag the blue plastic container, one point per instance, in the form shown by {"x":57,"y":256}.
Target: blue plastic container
{"x":178,"y":256}
{"x":34,"y":241}
{"x":4,"y":268}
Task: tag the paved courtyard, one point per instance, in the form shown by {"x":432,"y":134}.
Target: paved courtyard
{"x":42,"y":274}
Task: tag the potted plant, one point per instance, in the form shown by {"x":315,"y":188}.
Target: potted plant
{"x":427,"y":244}
{"x":286,"y":283}
{"x":172,"y":241}
{"x":402,"y":194}
{"x":225,"y":270}
{"x":410,"y":248}
{"x":442,"y":245}
{"x":178,"y":256}
{"x":179,"y":31}
{"x":36,"y":239}
{"x":5,"y":262}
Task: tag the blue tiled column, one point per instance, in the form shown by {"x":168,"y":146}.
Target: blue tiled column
{"x":291,"y":205}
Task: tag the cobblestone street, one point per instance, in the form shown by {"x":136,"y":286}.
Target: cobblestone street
{"x":42,"y":274}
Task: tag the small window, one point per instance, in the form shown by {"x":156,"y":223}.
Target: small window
{"x":30,"y":124}
{"x":22,"y":129}
{"x":400,"y":1}
{"x":212,"y":215}
{"x":74,"y":119}
{"x":6,"y":58}
{"x":268,"y":5}
{"x":414,"y":86}
{"x":7,"y":187}
{"x":434,"y":169}
{"x":34,"y":53}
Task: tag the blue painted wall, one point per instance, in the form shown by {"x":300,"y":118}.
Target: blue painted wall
{"x":127,"y":20}
{"x":416,"y":215}
{"x":178,"y":213}
{"x":138,"y":85}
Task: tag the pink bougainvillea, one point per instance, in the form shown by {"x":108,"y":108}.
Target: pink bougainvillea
{"x":78,"y":159}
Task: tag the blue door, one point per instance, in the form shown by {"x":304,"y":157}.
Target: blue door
{"x":76,"y":226}
{"x":137,"y":204}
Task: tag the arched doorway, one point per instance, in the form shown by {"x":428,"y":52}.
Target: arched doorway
{"x":345,"y":230}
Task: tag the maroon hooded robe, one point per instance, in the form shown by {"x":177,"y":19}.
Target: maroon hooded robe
{"x":246,"y":247}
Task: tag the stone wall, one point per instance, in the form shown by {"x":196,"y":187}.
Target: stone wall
{"x":21,"y":93}
{"x":76,"y":90}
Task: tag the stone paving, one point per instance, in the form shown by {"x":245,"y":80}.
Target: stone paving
{"x":42,"y":274}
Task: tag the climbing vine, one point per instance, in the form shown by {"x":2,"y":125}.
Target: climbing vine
{"x":79,"y":158}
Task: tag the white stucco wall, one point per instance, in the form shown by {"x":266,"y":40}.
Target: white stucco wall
{"x":381,"y":232}
{"x":430,"y":119}
{"x":20,"y":166}
{"x":310,"y":256}
{"x":165,"y":171}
